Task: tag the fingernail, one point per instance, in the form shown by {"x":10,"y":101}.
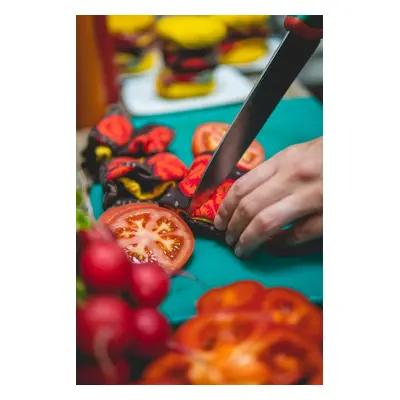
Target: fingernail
{"x":218,"y":223}
{"x":230,"y":239}
{"x":239,"y":251}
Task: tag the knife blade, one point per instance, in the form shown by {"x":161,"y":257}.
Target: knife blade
{"x":283,"y":68}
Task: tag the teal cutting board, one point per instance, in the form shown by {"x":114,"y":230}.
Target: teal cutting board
{"x":212,"y":263}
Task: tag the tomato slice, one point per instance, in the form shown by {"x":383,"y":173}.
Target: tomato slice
{"x":172,"y":367}
{"x":149,"y":233}
{"x":207,"y":137}
{"x":243,"y":296}
{"x":288,"y":307}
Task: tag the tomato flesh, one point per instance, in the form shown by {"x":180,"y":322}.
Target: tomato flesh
{"x":207,"y":137}
{"x":151,"y":234}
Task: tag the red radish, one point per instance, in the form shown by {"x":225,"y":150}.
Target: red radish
{"x":150,"y":332}
{"x":104,"y":267}
{"x":148,"y":284}
{"x":99,"y":232}
{"x":93,"y":373}
{"x":102,"y":326}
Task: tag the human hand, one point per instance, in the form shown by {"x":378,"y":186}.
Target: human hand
{"x":285,"y":189}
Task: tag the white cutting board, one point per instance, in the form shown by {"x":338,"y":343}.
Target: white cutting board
{"x":140,"y":97}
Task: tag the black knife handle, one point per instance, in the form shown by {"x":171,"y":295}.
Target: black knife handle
{"x":307,"y":27}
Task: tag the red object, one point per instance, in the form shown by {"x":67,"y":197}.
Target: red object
{"x":105,"y":47}
{"x":208,"y":136}
{"x":209,"y":209}
{"x":238,"y":296}
{"x":115,"y":128}
{"x":149,"y":332}
{"x":92,"y":373}
{"x":151,"y":234}
{"x":288,"y":307}
{"x":104,"y":267}
{"x":151,"y":139}
{"x":148,"y":285}
{"x":167,"y":166}
{"x":192,"y":179}
{"x":97,"y":233}
{"x":297,"y":26}
{"x":102,"y":326}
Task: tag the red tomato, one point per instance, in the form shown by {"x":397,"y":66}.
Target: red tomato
{"x":172,"y":367}
{"x":243,"y":296}
{"x":149,"y":233}
{"x":288,"y":307}
{"x":207,"y":137}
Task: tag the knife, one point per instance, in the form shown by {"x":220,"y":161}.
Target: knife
{"x":303,"y":37}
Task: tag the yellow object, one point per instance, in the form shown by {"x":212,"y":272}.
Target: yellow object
{"x":126,"y":62}
{"x":243,"y":21}
{"x":192,"y":31}
{"x":126,"y":24}
{"x":102,"y":152}
{"x":134,"y":188}
{"x":245,"y":51}
{"x":179,"y":90}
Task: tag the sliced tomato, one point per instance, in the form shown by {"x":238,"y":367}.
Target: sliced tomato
{"x":149,"y":233}
{"x":207,"y":137}
{"x":238,"y":296}
{"x":288,"y":307}
{"x":210,"y":331}
{"x":172,"y":367}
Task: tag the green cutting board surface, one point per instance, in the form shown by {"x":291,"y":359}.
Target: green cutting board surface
{"x":213,"y":264}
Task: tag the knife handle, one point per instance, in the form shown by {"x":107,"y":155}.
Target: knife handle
{"x":308,"y":27}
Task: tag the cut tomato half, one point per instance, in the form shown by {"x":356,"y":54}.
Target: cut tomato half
{"x":288,"y":307}
{"x":149,"y":233}
{"x":207,"y":137}
{"x":238,"y":296}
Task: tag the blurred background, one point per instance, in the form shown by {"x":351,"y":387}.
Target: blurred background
{"x":123,"y":58}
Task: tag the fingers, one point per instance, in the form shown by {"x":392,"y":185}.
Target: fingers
{"x":262,"y":197}
{"x":242,"y":187}
{"x":272,"y":219}
{"x":303,"y":231}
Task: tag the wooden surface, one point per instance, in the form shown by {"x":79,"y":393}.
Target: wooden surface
{"x":295,"y":91}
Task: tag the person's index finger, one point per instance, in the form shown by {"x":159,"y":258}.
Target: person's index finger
{"x":242,"y":187}
{"x":269,"y":221}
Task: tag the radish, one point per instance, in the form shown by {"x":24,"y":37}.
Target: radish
{"x":148,"y":284}
{"x":94,"y":373}
{"x":104,"y":267}
{"x":149,"y":331}
{"x":102,"y":326}
{"x":99,"y":232}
